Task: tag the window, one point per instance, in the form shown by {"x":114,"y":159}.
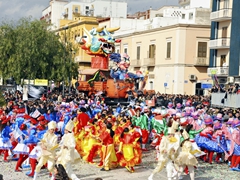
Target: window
{"x":138,"y":52}
{"x":223,"y":61}
{"x":183,"y":16}
{"x":168,"y":50}
{"x":76,"y":9}
{"x":224,"y":32}
{"x":87,"y":7}
{"x":202,"y":49}
{"x":152,"y":49}
{"x":190,"y":15}
{"x":125,"y":50}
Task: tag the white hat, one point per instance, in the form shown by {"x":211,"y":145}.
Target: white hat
{"x":185,"y":134}
{"x":69,"y":126}
{"x":170,"y":130}
{"x":52,"y":125}
{"x":175,"y":125}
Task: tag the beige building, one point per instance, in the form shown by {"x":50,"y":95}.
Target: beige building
{"x":176,"y":57}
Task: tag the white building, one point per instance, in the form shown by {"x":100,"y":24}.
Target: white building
{"x":66,"y":9}
{"x":53,"y":13}
{"x":165,"y":16}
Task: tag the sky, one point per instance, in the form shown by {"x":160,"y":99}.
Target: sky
{"x":16,"y":9}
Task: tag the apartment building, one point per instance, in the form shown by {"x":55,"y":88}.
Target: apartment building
{"x":224,"y":44}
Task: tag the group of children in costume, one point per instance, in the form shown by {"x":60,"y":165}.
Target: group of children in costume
{"x":118,"y":138}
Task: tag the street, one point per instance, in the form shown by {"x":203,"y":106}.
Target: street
{"x":86,"y":171}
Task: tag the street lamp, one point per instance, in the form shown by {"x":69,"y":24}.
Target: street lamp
{"x":65,"y":58}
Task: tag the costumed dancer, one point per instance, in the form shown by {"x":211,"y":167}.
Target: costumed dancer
{"x":127,"y":142}
{"x":35,"y":154}
{"x":204,"y":141}
{"x":141,"y":120}
{"x":168,"y":148}
{"x":82,"y":121}
{"x":22,"y":149}
{"x":94,"y":143}
{"x":219,"y":137}
{"x":192,"y":133}
{"x":5,"y":143}
{"x":235,"y":147}
{"x":48,"y":148}
{"x":68,"y":154}
{"x":109,"y":155}
{"x":185,"y":157}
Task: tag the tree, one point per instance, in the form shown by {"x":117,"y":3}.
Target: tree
{"x":28,"y":50}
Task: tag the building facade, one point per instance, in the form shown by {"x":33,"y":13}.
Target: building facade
{"x":176,"y":57}
{"x":72,"y":10}
{"x":70,"y":31}
{"x":224,"y":43}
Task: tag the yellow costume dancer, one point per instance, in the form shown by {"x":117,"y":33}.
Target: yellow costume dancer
{"x":130,"y":158}
{"x":68,"y":154}
{"x":48,"y":147}
{"x":109,"y":157}
{"x":186,"y":158}
{"x":168,"y":148}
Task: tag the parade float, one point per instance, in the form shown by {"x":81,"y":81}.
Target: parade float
{"x":113,"y":82}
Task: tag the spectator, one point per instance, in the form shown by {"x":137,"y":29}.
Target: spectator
{"x":60,"y":173}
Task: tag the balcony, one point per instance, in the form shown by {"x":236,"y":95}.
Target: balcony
{"x":149,"y":62}
{"x":76,"y":13}
{"x":135,"y":63}
{"x":183,"y":2}
{"x":221,"y":15}
{"x":221,"y":43}
{"x":201,"y":61}
{"x":219,"y":71}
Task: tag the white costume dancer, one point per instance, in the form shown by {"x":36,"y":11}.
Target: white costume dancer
{"x":68,"y":154}
{"x":48,"y":147}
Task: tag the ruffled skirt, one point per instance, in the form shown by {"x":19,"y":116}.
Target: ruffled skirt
{"x":131,"y":156}
{"x":236,"y":150}
{"x":21,"y":149}
{"x":206,"y":143}
{"x":36,"y":152}
{"x":5,"y":145}
{"x":187,"y":159}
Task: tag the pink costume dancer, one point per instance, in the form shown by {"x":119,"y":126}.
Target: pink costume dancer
{"x":235,"y":146}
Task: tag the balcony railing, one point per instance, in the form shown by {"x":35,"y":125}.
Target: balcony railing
{"x":183,"y":2}
{"x":201,"y":61}
{"x":149,"y":62}
{"x":221,"y":43}
{"x":136,"y":62}
{"x":220,"y":71}
{"x":221,"y":15}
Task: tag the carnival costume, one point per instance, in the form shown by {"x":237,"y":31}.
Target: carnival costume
{"x":5,"y":143}
{"x":185,"y":157}
{"x":142,"y":122}
{"x":108,"y":151}
{"x":235,"y":147}
{"x":128,"y":141}
{"x":168,"y":149}
{"x":68,"y":154}
{"x":48,"y":147}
